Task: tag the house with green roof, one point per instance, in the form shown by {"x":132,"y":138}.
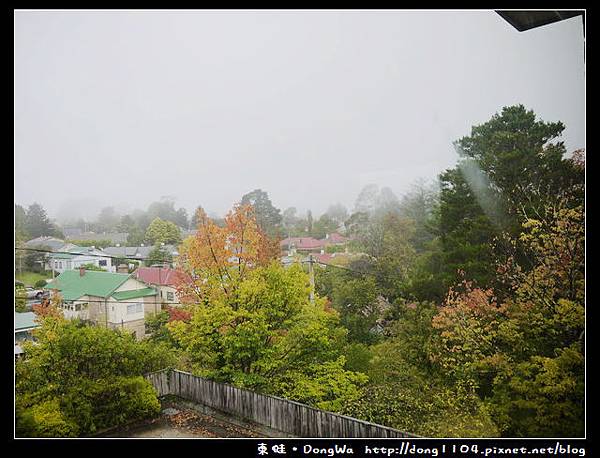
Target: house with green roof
{"x":114,"y":300}
{"x":24,"y":324}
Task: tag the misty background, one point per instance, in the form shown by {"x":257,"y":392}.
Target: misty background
{"x":122,"y":108}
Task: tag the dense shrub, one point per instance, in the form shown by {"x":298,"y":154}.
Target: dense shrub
{"x":45,"y":420}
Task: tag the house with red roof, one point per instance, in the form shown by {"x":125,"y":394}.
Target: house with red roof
{"x":335,"y":239}
{"x":163,"y":279}
{"x":312,"y":245}
{"x":303,"y":244}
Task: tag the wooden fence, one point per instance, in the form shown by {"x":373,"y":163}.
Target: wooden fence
{"x":281,"y":414}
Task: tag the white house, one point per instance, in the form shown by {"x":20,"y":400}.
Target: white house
{"x":75,"y":256}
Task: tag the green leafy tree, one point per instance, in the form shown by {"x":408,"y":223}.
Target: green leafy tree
{"x":181,"y":218}
{"x":323,"y":226}
{"x":424,"y":407}
{"x":93,"y":267}
{"x":21,"y":234}
{"x":421,"y":204}
{"x":387,"y":240}
{"x":268,"y":338}
{"x":77,"y":379}
{"x":466,"y":233}
{"x":34,"y":260}
{"x":161,"y":231}
{"x":107,"y":220}
{"x":95,"y":243}
{"x":355,"y":297}
{"x":524,"y":356}
{"x":165,"y":210}
{"x":325,"y":385}
{"x":407,"y":392}
{"x":292,"y":224}
{"x":267,"y":216}
{"x":158,"y":255}
{"x":523,"y":160}
{"x":20,"y":299}
{"x":126,"y":224}
{"x":366,"y":202}
{"x":135,"y":237}
{"x":357,"y":224}
{"x":338,"y":213}
{"x":510,"y":168}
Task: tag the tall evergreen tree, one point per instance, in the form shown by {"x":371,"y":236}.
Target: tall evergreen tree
{"x":37,"y":222}
{"x":509,"y":169}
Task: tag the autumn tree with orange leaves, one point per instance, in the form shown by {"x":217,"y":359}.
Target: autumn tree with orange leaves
{"x":217,"y":259}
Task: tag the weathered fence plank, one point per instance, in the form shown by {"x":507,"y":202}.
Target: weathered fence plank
{"x":281,"y":414}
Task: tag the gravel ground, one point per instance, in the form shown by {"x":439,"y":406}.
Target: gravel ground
{"x":180,"y":419}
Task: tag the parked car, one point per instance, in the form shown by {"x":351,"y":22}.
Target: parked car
{"x":33,"y":293}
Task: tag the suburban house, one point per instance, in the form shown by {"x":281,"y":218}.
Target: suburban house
{"x":24,"y":324}
{"x":128,"y":252}
{"x":335,"y":239}
{"x":73,"y":257}
{"x":136,"y":253}
{"x":163,"y":279}
{"x":312,"y":245}
{"x":303,"y":244}
{"x":114,"y":300}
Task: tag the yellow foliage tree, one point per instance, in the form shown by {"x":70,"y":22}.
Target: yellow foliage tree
{"x":217,"y":259}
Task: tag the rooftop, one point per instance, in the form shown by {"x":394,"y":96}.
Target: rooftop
{"x":134,"y":294}
{"x":73,"y":285}
{"x":157,"y":275}
{"x":45,"y":241}
{"x":25,"y":321}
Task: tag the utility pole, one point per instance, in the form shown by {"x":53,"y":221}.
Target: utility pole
{"x":311,"y":275}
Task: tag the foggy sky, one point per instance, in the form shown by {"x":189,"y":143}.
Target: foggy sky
{"x":121,"y":108}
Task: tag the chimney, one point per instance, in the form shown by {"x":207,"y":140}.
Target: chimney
{"x":81,"y":271}
{"x":123,"y":269}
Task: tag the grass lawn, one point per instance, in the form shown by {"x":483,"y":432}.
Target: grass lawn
{"x":29,"y":278}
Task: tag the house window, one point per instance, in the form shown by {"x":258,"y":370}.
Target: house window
{"x":170,"y":296}
{"x":134,"y":308}
{"x":102,"y":263}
